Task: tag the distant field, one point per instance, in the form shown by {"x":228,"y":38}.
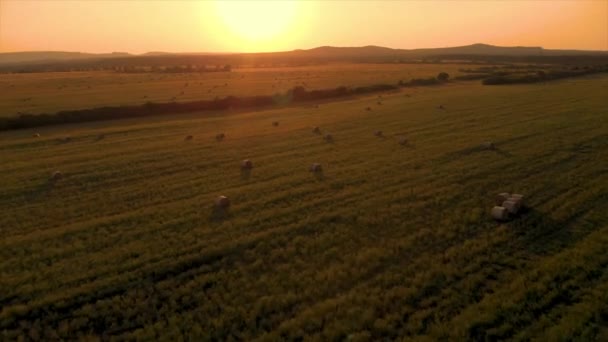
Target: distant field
{"x":393,"y":241}
{"x":51,"y":92}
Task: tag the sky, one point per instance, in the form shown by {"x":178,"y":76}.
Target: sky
{"x":139,"y":26}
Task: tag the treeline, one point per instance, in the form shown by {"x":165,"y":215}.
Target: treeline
{"x":297,"y":94}
{"x":540,"y":76}
{"x":178,"y":69}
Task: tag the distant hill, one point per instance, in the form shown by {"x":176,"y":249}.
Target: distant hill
{"x":474,"y":49}
{"x":57,"y":60}
{"x":50,"y":56}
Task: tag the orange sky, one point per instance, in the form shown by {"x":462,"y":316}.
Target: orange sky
{"x":205,"y":26}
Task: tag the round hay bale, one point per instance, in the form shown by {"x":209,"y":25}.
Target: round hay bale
{"x":500,"y":213}
{"x":275,"y":123}
{"x":222,"y":202}
{"x":315,"y":167}
{"x":378,"y":133}
{"x":36,"y":135}
{"x":379,"y":103}
{"x":220,"y":137}
{"x":500,"y":198}
{"x":511,"y":206}
{"x":488,"y":145}
{"x":369,"y":109}
{"x":57,"y":175}
{"x":188,"y":138}
{"x":440,"y":107}
{"x":403,"y":141}
{"x":328,"y":137}
{"x":316,"y":130}
{"x":246,"y":164}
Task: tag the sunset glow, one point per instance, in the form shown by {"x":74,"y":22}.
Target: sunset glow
{"x":257,"y":22}
{"x":214,"y":26}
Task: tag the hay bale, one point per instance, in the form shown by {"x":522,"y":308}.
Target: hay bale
{"x":316,"y":130}
{"x":379,"y":103}
{"x":315,"y":167}
{"x":488,"y":145}
{"x":403,"y":141}
{"x":36,"y":135}
{"x":500,"y":213}
{"x":500,"y":198}
{"x":517,"y":198}
{"x":328,"y":137}
{"x":512,"y":206}
{"x":246,"y":164}
{"x":369,"y":109}
{"x":220,"y":137}
{"x":188,"y":138}
{"x":275,"y":123}
{"x":441,"y":107}
{"x":57,"y":175}
{"x":222,"y":202}
{"x":101,"y":136}
{"x":378,"y":133}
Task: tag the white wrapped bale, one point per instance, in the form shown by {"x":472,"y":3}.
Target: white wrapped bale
{"x":500,"y":213}
{"x":511,"y":206}
{"x":519,"y":198}
{"x":500,"y":198}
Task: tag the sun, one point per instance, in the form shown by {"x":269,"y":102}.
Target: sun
{"x":257,"y":21}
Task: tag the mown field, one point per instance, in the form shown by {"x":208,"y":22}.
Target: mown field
{"x":391,"y":242}
{"x":51,"y":92}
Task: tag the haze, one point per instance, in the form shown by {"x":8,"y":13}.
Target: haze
{"x":212,"y":26}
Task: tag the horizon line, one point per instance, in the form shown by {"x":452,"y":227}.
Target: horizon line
{"x":296,"y":49}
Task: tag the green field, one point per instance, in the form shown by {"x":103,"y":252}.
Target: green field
{"x":51,"y":92}
{"x":391,"y":242}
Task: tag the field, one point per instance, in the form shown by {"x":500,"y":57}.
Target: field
{"x":390,"y":242}
{"x":51,"y":92}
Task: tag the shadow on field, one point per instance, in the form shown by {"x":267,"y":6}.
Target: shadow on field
{"x":475,"y":149}
{"x":42,"y":190}
{"x":245,"y":174}
{"x":319,"y":175}
{"x":502,"y":152}
{"x":219,"y":214}
{"x":541,"y":234}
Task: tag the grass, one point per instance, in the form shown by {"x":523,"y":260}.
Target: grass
{"x":52,"y":92}
{"x":391,"y":242}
